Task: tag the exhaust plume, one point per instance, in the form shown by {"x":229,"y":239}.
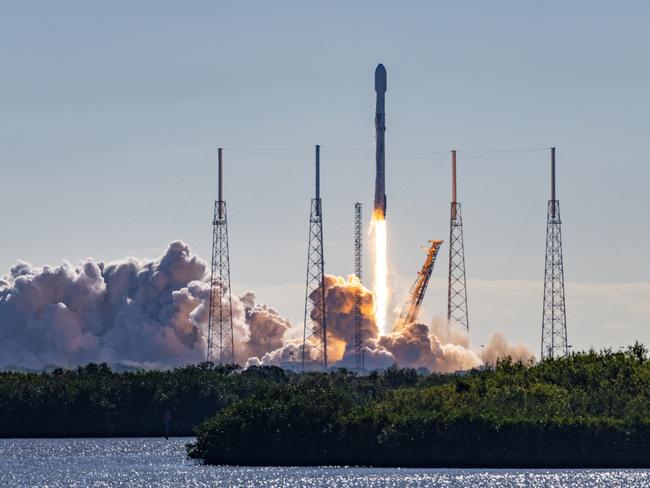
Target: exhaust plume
{"x":140,"y":313}
{"x":498,"y":347}
{"x":415,"y":345}
{"x":154,"y":314}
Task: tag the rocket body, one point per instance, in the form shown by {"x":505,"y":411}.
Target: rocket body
{"x":380,"y":133}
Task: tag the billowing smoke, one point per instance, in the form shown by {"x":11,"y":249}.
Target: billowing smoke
{"x":154,"y":314}
{"x":414,"y":345}
{"x":288,"y":353}
{"x":263,"y":331}
{"x":341,"y":297}
{"x":452,"y":334}
{"x":142,"y":313}
{"x":498,"y":347}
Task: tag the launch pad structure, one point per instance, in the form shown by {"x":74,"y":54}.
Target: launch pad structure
{"x":358,"y":260}
{"x":314,"y":344}
{"x":221,"y":345}
{"x":314,"y":352}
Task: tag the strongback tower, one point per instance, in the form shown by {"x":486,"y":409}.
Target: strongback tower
{"x":221,"y":346}
{"x":554,"y":336}
{"x":315,"y":332}
{"x":457,"y":285}
{"x":358,"y":255}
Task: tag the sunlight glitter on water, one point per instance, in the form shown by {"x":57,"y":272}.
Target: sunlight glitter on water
{"x":145,"y":463}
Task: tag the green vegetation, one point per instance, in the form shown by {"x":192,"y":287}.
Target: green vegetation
{"x":93,"y":401}
{"x":588,"y":410}
{"x":591,"y":409}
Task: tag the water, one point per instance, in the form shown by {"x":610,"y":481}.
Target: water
{"x":145,"y":463}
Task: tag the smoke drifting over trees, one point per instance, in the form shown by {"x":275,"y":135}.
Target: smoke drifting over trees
{"x":146,"y":312}
{"x":141,"y":313}
{"x":154,"y":314}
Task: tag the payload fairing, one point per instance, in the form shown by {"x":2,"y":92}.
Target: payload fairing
{"x":380,"y":132}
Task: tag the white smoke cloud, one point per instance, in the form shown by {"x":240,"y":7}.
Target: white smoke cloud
{"x":266,"y":331}
{"x":127,"y":310}
{"x":130,"y":312}
{"x":414,"y":346}
{"x":155,"y":313}
{"x":373,"y":358}
{"x":288,"y":353}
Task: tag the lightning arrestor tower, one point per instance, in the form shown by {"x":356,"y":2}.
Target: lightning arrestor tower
{"x":457,"y":286}
{"x":358,"y":247}
{"x":315,"y":332}
{"x":221,"y":346}
{"x":554,"y":334}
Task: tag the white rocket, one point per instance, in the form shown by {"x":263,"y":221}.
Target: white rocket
{"x":380,"y":132}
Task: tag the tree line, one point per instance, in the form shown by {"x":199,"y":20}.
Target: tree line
{"x":588,"y":409}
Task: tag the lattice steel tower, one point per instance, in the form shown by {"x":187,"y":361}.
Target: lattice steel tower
{"x":412,"y":306}
{"x":315,"y":332}
{"x":554,"y":336}
{"x":358,"y":255}
{"x":457,"y":285}
{"x":221,"y":345}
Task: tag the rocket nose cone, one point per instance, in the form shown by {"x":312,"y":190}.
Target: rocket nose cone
{"x":380,"y":79}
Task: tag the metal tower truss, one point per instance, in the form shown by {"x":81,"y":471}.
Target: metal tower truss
{"x":554,"y":331}
{"x":314,"y":351}
{"x":418,"y":289}
{"x":457,"y":285}
{"x":358,"y":248}
{"x":221,"y":346}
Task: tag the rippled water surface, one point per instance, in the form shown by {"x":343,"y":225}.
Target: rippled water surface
{"x":59,"y":463}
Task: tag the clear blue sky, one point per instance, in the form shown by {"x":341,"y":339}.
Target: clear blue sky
{"x":112,"y":113}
